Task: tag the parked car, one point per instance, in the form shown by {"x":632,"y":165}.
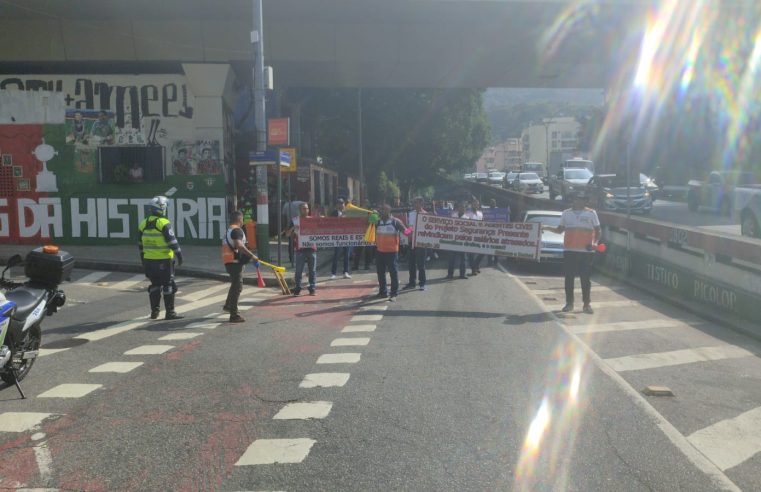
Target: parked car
{"x":509,"y":178}
{"x":496,"y":178}
{"x":568,"y":180}
{"x":651,"y":186}
{"x":718,"y":191}
{"x":747,"y":209}
{"x":552,"y":243}
{"x":528,"y":183}
{"x":482,"y":178}
{"x":610,"y":192}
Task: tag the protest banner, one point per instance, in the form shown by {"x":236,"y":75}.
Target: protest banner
{"x":491,"y":214}
{"x":506,"y":239}
{"x":332,"y":232}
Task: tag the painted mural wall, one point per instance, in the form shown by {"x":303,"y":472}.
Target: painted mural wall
{"x":81,"y":156}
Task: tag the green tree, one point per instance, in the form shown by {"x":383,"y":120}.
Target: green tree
{"x":387,"y":190}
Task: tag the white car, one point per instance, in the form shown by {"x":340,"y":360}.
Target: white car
{"x":528,"y":183}
{"x":552,"y":243}
{"x":496,"y":178}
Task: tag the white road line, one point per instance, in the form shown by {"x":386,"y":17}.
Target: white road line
{"x":373,"y":308}
{"x":195,"y":296}
{"x":44,"y":352}
{"x":120,"y":367}
{"x":358,"y":328}
{"x":91,"y":278}
{"x":624,"y":326}
{"x":264,"y":293}
{"x":325,"y":380}
{"x":270,"y":451}
{"x":129,"y":283}
{"x":676,"y":357}
{"x":345,"y":358}
{"x":599,"y":305}
{"x":204,"y":325}
{"x":366,"y":317}
{"x":732,"y":441}
{"x":717,"y":476}
{"x":180,"y":336}
{"x":149,"y":350}
{"x":251,"y":300}
{"x":21,"y":421}
{"x":70,"y":391}
{"x":304,"y":410}
{"x":43,"y":457}
{"x":561,"y":290}
{"x":349,"y":342}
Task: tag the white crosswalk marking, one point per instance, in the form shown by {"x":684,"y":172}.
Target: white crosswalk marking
{"x":91,"y":278}
{"x":325,"y":380}
{"x":676,"y":357}
{"x":21,"y":421}
{"x":129,"y":283}
{"x":624,"y":326}
{"x":180,"y":336}
{"x":345,"y":358}
{"x":149,"y":350}
{"x":204,"y":293}
{"x":599,"y":305}
{"x":373,"y":308}
{"x":70,"y":391}
{"x":358,"y":328}
{"x":270,"y":451}
{"x":304,"y":410}
{"x":204,"y":325}
{"x":349,"y":342}
{"x":119,"y":367}
{"x":732,"y":441}
{"x":366,"y":317}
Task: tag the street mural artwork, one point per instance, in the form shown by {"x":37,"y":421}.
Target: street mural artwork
{"x":80,"y":156}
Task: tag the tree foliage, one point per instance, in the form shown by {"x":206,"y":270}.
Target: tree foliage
{"x":413,"y":135}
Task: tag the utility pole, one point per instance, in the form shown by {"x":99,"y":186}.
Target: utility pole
{"x":260,"y":123}
{"x":360,"y":144}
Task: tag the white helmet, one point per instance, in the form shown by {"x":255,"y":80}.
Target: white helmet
{"x":158,"y":205}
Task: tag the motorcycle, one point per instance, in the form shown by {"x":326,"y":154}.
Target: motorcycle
{"x":25,"y":305}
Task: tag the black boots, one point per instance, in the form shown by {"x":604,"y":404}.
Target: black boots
{"x":169,"y":305}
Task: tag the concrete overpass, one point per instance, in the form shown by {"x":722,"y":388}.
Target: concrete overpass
{"x":327,"y":43}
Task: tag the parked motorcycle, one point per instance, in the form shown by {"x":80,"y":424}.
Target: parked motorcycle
{"x":25,"y":305}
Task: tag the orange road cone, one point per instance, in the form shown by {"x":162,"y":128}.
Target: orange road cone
{"x":259,"y":279}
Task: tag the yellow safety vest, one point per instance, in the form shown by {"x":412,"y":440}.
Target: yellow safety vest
{"x":155,"y":246}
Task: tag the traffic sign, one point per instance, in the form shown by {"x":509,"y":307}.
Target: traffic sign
{"x":263,"y":158}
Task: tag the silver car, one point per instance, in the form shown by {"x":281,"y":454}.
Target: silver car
{"x":552,"y":243}
{"x":528,"y":183}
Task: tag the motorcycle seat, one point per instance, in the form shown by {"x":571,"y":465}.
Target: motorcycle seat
{"x":26,"y":300}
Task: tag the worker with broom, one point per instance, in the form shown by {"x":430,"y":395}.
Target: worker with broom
{"x":235,"y":255}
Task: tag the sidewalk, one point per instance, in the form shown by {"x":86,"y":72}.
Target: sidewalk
{"x":199,"y":261}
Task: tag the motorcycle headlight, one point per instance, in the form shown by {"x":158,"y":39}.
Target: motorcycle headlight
{"x":609,"y":196}
{"x":647,"y":194}
{"x":570,"y":187}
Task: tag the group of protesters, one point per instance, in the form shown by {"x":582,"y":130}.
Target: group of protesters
{"x":385,"y":252}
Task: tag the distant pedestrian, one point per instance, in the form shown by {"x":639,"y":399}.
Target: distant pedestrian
{"x":387,"y":251}
{"x":475,"y":213}
{"x":303,"y":254}
{"x":338,"y":251}
{"x":290,"y":210}
{"x":582,"y":231}
{"x":235,"y":255}
{"x":417,"y":256}
{"x":158,"y":250}
{"x":457,"y":258}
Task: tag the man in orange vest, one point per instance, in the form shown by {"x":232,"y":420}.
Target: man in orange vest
{"x":387,"y":244}
{"x":235,"y":255}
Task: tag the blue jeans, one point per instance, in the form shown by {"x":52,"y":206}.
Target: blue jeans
{"x":383,"y":262}
{"x":456,"y":259}
{"x":417,"y":266}
{"x":308,"y":256}
{"x":336,"y":253}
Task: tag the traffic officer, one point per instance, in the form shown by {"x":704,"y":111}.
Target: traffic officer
{"x":235,"y":255}
{"x":158,"y":248}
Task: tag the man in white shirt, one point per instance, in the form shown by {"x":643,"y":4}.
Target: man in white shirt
{"x":475,"y":213}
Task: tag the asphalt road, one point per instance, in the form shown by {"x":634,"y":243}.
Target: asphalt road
{"x":474,"y":384}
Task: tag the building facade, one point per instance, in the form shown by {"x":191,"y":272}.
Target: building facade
{"x":559,"y":135}
{"x":501,"y":157}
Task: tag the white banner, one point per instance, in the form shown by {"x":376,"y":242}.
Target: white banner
{"x":508,"y":239}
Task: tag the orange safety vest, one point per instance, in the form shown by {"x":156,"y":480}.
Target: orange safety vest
{"x":229,"y":255}
{"x":387,"y":236}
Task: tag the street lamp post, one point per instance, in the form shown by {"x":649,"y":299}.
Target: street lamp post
{"x":262,"y":200}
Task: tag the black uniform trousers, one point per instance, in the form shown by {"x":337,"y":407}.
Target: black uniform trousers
{"x":235,"y":270}
{"x":161,"y":275}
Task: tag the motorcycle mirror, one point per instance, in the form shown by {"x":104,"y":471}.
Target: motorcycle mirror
{"x":14,"y":260}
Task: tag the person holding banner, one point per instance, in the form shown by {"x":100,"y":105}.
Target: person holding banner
{"x":303,"y":254}
{"x":387,"y":251}
{"x":475,"y":213}
{"x":346,"y":250}
{"x":417,"y":255}
{"x":455,"y":257}
{"x":582,"y":231}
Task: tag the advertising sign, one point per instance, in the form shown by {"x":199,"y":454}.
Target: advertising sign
{"x":332,"y":232}
{"x":278,"y":131}
{"x":291,"y":168}
{"x":507,"y":239}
